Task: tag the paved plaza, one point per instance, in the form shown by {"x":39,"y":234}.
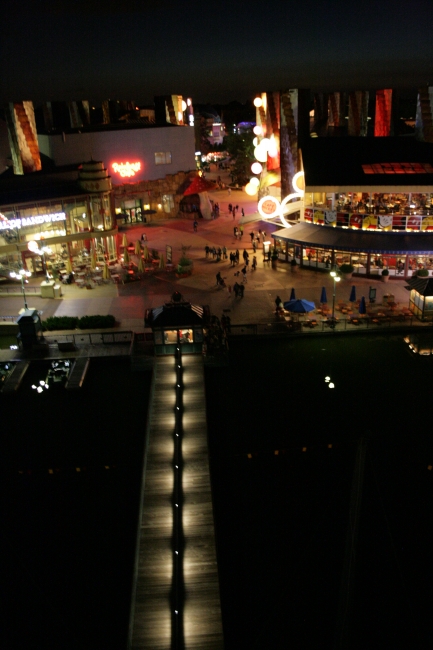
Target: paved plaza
{"x":127,"y":302}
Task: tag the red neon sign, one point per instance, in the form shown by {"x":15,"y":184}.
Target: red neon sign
{"x":126,"y":169}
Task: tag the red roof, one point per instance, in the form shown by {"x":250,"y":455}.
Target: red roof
{"x":199,"y":184}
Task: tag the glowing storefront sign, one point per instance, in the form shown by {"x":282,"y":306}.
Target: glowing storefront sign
{"x":126,"y":169}
{"x":398,"y":168}
{"x":7,"y":224}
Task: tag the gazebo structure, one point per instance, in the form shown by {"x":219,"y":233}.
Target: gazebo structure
{"x":421,"y":297}
{"x":177,"y":323}
{"x":200,"y":186}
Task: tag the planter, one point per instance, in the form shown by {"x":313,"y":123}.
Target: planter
{"x":346,"y":276}
{"x":274,"y":263}
{"x":385,"y":278}
{"x":184,"y":270}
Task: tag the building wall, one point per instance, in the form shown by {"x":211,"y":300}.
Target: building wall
{"x":121,"y":146}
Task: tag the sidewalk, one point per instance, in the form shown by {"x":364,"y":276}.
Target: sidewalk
{"x":128,"y":302}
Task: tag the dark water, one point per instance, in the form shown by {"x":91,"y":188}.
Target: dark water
{"x":281,"y":520}
{"x":68,"y":537}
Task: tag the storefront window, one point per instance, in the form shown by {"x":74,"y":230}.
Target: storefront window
{"x":168,"y":203}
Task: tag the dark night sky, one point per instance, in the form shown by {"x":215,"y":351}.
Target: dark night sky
{"x":211,"y":51}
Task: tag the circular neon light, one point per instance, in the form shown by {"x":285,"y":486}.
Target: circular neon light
{"x":257,"y":130}
{"x":256,"y":168}
{"x":258,"y":102}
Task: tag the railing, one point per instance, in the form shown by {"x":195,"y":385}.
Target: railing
{"x":306,"y":327}
{"x":94,"y":338}
{"x":422,"y":221}
{"x":17,"y":290}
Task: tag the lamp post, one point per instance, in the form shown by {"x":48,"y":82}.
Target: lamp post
{"x":21,"y":275}
{"x":336,"y":278}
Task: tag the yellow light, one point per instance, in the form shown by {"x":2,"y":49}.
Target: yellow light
{"x":257,"y":130}
{"x":265,"y":143}
{"x":250,"y":189}
{"x":256,"y":168}
{"x":254,"y":181}
{"x":258,"y":102}
{"x":261,"y":154}
{"x":183,"y":105}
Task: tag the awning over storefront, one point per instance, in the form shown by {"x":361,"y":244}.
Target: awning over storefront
{"x":359,"y":241}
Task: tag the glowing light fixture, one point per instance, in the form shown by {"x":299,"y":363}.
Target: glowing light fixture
{"x":261,"y":154}
{"x":258,"y":102}
{"x":256,"y":168}
{"x":265,"y":143}
{"x":255,"y":141}
{"x":257,"y":130}
{"x":254,"y":181}
{"x":250,"y":189}
{"x":183,"y":105}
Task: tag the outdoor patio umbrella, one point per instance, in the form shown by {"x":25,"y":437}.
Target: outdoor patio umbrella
{"x":145,"y":253}
{"x":362,"y":307}
{"x":162,"y":261}
{"x":106,"y":272}
{"x":137,"y":248}
{"x":292,"y":294}
{"x":353,"y":294}
{"x":140,"y":267}
{"x":299,"y":306}
{"x":126,"y":256}
{"x":124,"y":242}
{"x":323,"y":297}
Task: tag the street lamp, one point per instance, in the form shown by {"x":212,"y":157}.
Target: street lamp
{"x":21,"y":275}
{"x":334,"y":275}
{"x":42,"y":251}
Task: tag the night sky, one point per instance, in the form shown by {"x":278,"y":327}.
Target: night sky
{"x":211,"y":51}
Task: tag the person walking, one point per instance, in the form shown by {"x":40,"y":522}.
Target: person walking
{"x":229,"y":191}
{"x":278,"y":302}
{"x":224,"y":252}
{"x":241,"y":290}
{"x":242,"y":212}
{"x":235,"y":232}
{"x":237,"y":256}
{"x":252,"y":236}
{"x":244,"y":274}
{"x":195,"y":224}
{"x":230,"y":208}
{"x":254,"y":245}
{"x":254,"y":263}
{"x":206,"y":250}
{"x":241,"y":231}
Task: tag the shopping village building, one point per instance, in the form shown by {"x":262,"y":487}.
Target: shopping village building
{"x":367,"y":201}
{"x":132,"y":174}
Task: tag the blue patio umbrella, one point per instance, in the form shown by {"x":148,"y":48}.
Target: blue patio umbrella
{"x":323,"y":297}
{"x":353,"y":294}
{"x":362,"y":308}
{"x":299,"y":306}
{"x":292,"y":294}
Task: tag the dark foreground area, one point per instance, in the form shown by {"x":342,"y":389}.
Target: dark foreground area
{"x":281,"y":514}
{"x":68,"y":536}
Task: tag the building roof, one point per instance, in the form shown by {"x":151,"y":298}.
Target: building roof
{"x":139,"y":123}
{"x":424,"y":286}
{"x":346,"y":164}
{"x":177,"y":315}
{"x":399,"y":243}
{"x":61,"y":182}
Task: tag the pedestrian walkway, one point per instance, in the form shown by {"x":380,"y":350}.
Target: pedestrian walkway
{"x":176,"y":599}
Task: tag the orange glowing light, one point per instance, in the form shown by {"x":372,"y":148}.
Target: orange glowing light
{"x":126,"y":169}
